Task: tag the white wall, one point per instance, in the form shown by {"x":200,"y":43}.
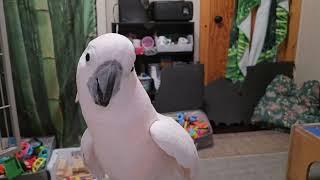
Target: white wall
{"x":101,"y":17}
{"x":308,"y":49}
{"x":110,"y":16}
{"x":105,"y":8}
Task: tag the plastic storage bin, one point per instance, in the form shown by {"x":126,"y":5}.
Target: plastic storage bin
{"x":42,"y":174}
{"x":175,"y":47}
{"x":59,"y":154}
{"x":65,"y":154}
{"x":205,"y":140}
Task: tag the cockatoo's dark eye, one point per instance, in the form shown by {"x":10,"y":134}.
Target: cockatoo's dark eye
{"x":87,"y":57}
{"x":132,"y":69}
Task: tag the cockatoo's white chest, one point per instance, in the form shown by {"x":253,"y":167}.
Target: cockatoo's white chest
{"x":121,"y":136}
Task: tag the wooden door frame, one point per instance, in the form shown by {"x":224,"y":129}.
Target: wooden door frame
{"x":287,"y":51}
{"x":205,"y":20}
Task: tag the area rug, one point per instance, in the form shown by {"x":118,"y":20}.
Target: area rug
{"x":246,"y":143}
{"x":245,"y":167}
{"x":260,"y":155}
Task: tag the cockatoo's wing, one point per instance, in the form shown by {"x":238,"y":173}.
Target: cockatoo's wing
{"x":176,"y":142}
{"x":89,"y":157}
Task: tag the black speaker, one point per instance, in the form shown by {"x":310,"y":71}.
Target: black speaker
{"x":172,"y":10}
{"x":132,"y":11}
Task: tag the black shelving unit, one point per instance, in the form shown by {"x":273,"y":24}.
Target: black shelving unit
{"x":142,"y":29}
{"x":149,"y":28}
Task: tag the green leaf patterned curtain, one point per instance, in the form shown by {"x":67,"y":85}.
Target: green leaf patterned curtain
{"x":46,"y":39}
{"x":270,"y":29}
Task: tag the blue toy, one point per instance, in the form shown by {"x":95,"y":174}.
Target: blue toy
{"x":29,"y":152}
{"x":180,"y":118}
{"x":3,"y":159}
{"x":43,"y":153}
{"x":35,"y":143}
{"x":12,"y":142}
{"x":193,"y":118}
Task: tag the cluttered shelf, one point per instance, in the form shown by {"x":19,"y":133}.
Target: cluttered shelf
{"x":150,"y":28}
{"x":159,"y":38}
{"x":163,"y":26}
{"x":161,"y":54}
{"x":155,"y":22}
{"x":158,"y":44}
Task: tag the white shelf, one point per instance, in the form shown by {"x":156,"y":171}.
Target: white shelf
{"x":4,"y":107}
{"x":11,"y":121}
{"x":8,"y":151}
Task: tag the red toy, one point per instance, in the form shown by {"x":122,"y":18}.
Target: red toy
{"x":1,"y":169}
{"x":194,"y":124}
{"x":25,"y":151}
{"x":29,"y":162}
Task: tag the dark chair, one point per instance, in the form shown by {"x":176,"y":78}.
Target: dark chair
{"x":181,"y":88}
{"x":229,"y":103}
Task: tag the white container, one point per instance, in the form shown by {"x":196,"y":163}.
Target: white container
{"x":65,"y":154}
{"x":175,"y":47}
{"x":59,"y":154}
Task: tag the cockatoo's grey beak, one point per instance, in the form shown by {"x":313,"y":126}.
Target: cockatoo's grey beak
{"x":105,"y":82}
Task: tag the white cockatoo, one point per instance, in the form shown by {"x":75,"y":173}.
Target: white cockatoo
{"x":126,"y":138}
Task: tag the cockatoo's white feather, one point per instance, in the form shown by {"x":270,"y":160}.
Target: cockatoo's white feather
{"x":173,"y":139}
{"x":89,"y":155}
{"x":126,"y":137}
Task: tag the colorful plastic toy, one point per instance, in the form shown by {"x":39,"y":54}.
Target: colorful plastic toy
{"x":19,"y":155}
{"x":39,"y":149}
{"x":193,"y":123}
{"x":185,"y":125}
{"x":12,"y":168}
{"x":43,"y":152}
{"x":25,"y":152}
{"x":201,"y":125}
{"x":3,"y":159}
{"x":35,"y":143}
{"x":192,"y":118}
{"x":29,"y":151}
{"x":180,"y":117}
{"x":201,"y":132}
{"x":38,"y":164}
{"x":2,"y":169}
{"x":191,"y":132}
{"x":29,"y":162}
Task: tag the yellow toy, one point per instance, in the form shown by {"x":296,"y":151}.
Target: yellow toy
{"x":38,"y":164}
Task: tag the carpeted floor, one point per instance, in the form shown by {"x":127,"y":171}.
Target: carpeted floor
{"x":245,"y":167}
{"x":248,"y":156}
{"x":246,"y":143}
